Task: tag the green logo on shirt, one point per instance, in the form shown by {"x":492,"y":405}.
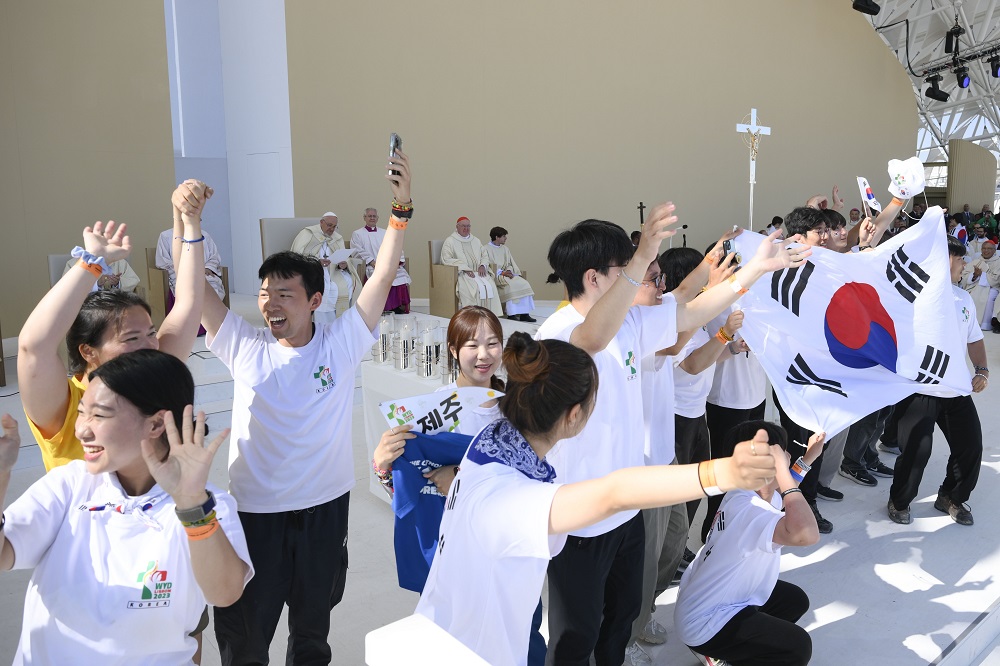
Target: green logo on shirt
{"x":325,"y":378}
{"x":156,"y":588}
{"x":630,"y":363}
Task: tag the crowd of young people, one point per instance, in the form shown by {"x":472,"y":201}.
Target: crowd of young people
{"x":636,"y":401}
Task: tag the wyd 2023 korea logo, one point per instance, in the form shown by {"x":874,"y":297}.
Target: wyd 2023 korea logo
{"x":156,"y":588}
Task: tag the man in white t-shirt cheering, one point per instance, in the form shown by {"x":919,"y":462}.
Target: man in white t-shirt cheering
{"x":290,"y":465}
{"x":595,"y":583}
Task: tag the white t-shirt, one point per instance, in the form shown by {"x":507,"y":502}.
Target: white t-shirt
{"x":477,"y":418}
{"x":691,"y":391}
{"x":112,"y":584}
{"x":965,"y":307}
{"x":739,"y":382}
{"x":492,"y":556}
{"x":657,"y":409}
{"x":292,"y":406}
{"x":737,"y":567}
{"x":614,"y":436}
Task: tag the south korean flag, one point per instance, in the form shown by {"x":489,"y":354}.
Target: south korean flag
{"x":846,"y":334}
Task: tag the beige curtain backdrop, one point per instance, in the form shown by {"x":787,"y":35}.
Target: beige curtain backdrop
{"x":535,"y":115}
{"x":84,"y":135}
{"x":971,"y":176}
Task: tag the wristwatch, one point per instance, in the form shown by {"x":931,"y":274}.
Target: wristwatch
{"x":197,"y":513}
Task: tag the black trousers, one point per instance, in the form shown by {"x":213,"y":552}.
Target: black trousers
{"x":595,"y":594}
{"x":692,"y":445}
{"x":959,"y":421}
{"x":796,"y":433}
{"x":765,"y":635}
{"x":720,"y":421}
{"x":299,"y":558}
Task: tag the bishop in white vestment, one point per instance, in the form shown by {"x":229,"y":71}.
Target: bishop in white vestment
{"x":365,"y":243}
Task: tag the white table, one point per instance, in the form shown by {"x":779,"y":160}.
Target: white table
{"x":382,"y":381}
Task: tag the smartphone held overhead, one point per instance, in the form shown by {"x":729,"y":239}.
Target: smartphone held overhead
{"x":395,"y":143}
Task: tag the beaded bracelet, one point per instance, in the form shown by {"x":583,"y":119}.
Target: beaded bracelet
{"x":396,"y":205}
{"x":722,"y":335}
{"x":630,"y":280}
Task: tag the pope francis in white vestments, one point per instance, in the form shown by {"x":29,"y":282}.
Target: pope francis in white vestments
{"x":321,"y":241}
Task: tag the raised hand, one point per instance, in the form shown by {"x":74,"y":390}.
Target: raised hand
{"x":836,"y":201}
{"x":751,"y":466}
{"x":184,"y":473}
{"x":656,"y":230}
{"x":190,"y":197}
{"x":773,"y":254}
{"x":107,"y":241}
{"x":814,"y":447}
{"x":719,"y":272}
{"x":400,"y":183}
{"x":10,"y":443}
{"x":734,"y":322}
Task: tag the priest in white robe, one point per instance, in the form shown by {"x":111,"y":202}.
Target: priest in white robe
{"x":322,"y":241}
{"x":475,"y":284}
{"x":365,"y":243}
{"x":516,"y":294}
{"x":985,"y":283}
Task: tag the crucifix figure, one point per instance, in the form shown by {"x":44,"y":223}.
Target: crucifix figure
{"x":751,"y":137}
{"x":641,"y":208}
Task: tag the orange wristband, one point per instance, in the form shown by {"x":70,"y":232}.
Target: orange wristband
{"x":736,"y":286}
{"x":706,"y":477}
{"x":203,"y":532}
{"x":898,"y":201}
{"x":397,"y":223}
{"x":93,"y":269}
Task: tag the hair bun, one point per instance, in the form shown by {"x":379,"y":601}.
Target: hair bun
{"x":525,"y":359}
{"x":552,"y":278}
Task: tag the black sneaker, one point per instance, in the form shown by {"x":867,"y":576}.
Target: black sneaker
{"x":824,"y":525}
{"x":878,"y":468}
{"x":960,"y":513}
{"x":859,"y":476}
{"x":829,"y":494}
{"x":901,"y":516}
{"x":688,"y":557}
{"x":890,"y":447}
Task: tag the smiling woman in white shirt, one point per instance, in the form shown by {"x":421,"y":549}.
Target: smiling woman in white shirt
{"x":505,"y":517}
{"x":129,"y":544}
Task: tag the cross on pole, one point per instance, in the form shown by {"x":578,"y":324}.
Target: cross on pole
{"x":752,"y":132}
{"x":641,"y":208}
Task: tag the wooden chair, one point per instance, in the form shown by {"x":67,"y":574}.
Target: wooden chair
{"x":443,"y":283}
{"x":159,"y":287}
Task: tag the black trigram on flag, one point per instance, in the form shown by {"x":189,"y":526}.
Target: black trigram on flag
{"x":906,"y":275}
{"x":787,"y":286}
{"x":933,"y":367}
{"x":800,"y":373}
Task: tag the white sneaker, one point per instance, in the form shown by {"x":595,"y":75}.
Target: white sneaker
{"x":654,"y":633}
{"x":636,"y":656}
{"x":709,"y":661}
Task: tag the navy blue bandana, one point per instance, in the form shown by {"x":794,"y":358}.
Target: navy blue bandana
{"x":500,"y":442}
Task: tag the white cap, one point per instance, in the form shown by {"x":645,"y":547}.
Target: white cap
{"x":329,"y":214}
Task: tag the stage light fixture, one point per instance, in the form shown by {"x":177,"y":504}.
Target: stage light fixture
{"x":867,"y":7}
{"x":935,"y":92}
{"x":962,"y":74}
{"x":995,"y":66}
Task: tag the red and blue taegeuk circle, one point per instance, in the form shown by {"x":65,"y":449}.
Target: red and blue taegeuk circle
{"x":859,"y":331}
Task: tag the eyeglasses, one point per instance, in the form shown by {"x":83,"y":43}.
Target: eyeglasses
{"x":657,"y":281}
{"x":819,"y":231}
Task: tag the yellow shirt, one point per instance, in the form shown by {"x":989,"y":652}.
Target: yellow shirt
{"x":63,"y":446}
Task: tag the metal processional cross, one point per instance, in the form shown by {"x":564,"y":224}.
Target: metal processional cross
{"x":751,"y":137}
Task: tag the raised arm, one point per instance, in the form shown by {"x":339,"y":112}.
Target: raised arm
{"x":41,"y":373}
{"x":701,"y":358}
{"x":180,"y":327}
{"x":770,"y":256}
{"x":371,"y":300}
{"x":183,"y":474}
{"x":578,"y":505}
{"x":606,"y":316}
{"x":798,"y":526}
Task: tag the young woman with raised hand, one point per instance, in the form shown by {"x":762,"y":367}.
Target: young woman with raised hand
{"x":98,"y":326}
{"x":128,"y":545}
{"x":505,"y":516}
